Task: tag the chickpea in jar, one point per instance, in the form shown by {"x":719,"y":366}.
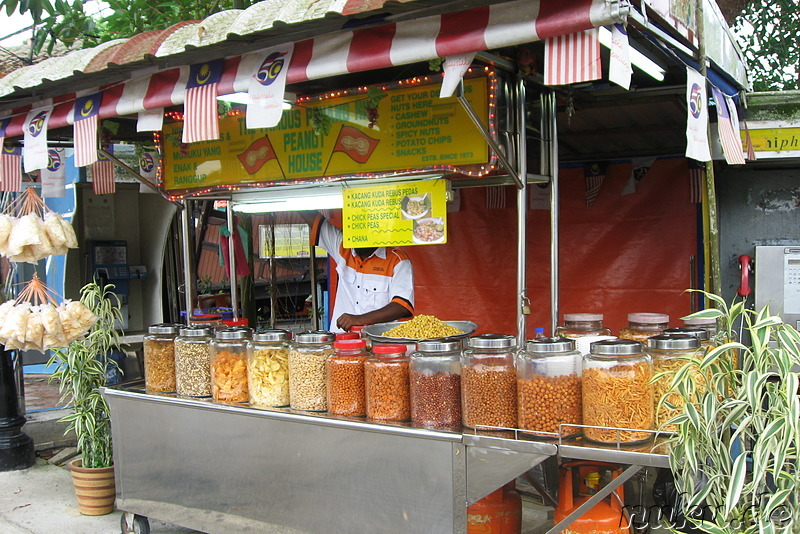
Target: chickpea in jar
{"x":346,"y":393}
{"x":387,"y":380}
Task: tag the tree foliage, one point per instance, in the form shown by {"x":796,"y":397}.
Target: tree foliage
{"x":67,"y":22}
{"x":769,"y":32}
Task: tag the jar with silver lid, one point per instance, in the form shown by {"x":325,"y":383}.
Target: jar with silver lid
{"x":159,"y":357}
{"x":578,"y":325}
{"x":670,"y":352}
{"x":489,"y":382}
{"x":617,"y":392}
{"x":435,"y":376}
{"x":643,"y":325}
{"x":700,"y":333}
{"x":268,"y":368}
{"x":549,"y":386}
{"x":193,"y":361}
{"x":229,"y":365}
{"x":307,"y":379}
{"x":709,"y":323}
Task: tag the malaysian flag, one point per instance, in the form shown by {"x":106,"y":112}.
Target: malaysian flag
{"x":593,"y":175}
{"x":572,"y":58}
{"x":12,"y":169}
{"x":751,"y":149}
{"x":103,"y":174}
{"x":495,"y":197}
{"x":200,"y":103}
{"x":696,"y":181}
{"x":85,"y":115}
{"x":731,"y":141}
{"x":3,"y":125}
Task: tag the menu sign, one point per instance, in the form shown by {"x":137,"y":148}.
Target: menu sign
{"x":415,"y":129}
{"x":399,"y":214}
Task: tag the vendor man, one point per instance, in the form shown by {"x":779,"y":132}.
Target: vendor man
{"x":376,"y":285}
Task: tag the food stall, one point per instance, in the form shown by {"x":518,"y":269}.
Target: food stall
{"x":218,"y":466}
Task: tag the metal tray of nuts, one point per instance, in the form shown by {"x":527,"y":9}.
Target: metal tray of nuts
{"x":375,"y":331}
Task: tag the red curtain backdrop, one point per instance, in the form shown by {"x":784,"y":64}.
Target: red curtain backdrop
{"x":623,"y":254}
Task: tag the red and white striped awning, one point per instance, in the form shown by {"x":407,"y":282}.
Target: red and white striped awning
{"x":401,"y":43}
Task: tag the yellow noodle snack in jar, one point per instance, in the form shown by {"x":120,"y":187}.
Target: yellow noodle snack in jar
{"x":229,"y":365}
{"x":618,"y":392}
{"x":670,"y":352}
{"x":423,"y":327}
{"x":643,"y":325}
{"x":268,"y":368}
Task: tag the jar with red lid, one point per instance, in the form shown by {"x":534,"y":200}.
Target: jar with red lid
{"x":236,"y":323}
{"x":388,"y":397}
{"x":345,"y":371}
{"x":343,"y":336}
{"x":644,"y":325}
{"x":209,"y":320}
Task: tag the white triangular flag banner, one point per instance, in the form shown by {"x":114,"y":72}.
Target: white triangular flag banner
{"x":454,"y":69}
{"x":619,"y":66}
{"x":267,"y":86}
{"x":34,"y":155}
{"x":697,"y":146}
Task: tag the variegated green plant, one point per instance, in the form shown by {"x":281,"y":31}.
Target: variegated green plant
{"x":81,"y":371}
{"x":735,"y":455}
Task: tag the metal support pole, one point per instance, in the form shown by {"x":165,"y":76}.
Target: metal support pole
{"x":487,"y":136}
{"x":554,"y":203}
{"x":315,"y":324}
{"x":16,"y":447}
{"x":189,"y":274}
{"x":522,"y":214}
{"x":596,"y":498}
{"x":232,"y":262}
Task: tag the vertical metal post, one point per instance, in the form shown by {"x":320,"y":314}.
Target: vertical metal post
{"x":189,"y":274}
{"x":522,"y":212}
{"x":315,"y":324}
{"x":552,"y":117}
{"x":232,"y":261}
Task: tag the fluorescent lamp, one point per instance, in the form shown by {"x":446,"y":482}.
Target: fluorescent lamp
{"x":244,"y":98}
{"x":639,"y":60}
{"x":319,"y":201}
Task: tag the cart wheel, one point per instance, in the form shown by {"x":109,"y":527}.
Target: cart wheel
{"x":134,"y":524}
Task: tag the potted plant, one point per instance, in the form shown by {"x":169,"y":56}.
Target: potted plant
{"x":735,"y":455}
{"x":81,"y":367}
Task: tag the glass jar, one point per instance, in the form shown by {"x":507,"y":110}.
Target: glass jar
{"x":209,"y":320}
{"x":489,"y":381}
{"x":159,"y":357}
{"x":643,"y":325}
{"x":549,"y":386}
{"x":435,"y":384}
{"x":307,"y":383}
{"x":345,"y":370}
{"x":709,"y":324}
{"x":578,"y":325}
{"x":388,"y":397}
{"x":359,"y":329}
{"x":193,"y":361}
{"x":700,"y":333}
{"x":617,"y":392}
{"x":268,"y":368}
{"x":229,"y":365}
{"x":669,"y":353}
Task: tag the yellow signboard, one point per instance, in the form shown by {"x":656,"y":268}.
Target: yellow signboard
{"x":398,"y":214}
{"x":415,"y":129}
{"x":774,"y":139}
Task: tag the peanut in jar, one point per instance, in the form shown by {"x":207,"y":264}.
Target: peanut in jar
{"x":489,"y":382}
{"x":346,"y":393}
{"x":387,"y":379}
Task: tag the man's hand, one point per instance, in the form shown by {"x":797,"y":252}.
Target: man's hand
{"x":347,"y":321}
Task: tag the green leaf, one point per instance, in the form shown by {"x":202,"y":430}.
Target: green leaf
{"x":736,"y":483}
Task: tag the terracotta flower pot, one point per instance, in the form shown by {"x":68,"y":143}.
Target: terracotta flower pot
{"x":94,"y":487}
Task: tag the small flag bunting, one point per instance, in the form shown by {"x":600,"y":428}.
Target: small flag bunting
{"x":12,"y":169}
{"x":730,"y":139}
{"x":103,"y":174}
{"x":572,"y":58}
{"x":696,"y":181}
{"x":594,"y":175}
{"x":85,"y":115}
{"x":201,"y":122}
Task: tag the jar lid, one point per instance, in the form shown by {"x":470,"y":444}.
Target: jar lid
{"x":673,"y":342}
{"x":550,"y":344}
{"x":578,"y":317}
{"x":272,"y":335}
{"x":236,"y":322}
{"x":700,"y":333}
{"x":341,"y":336}
{"x":492,"y":341}
{"x":616,"y":347}
{"x":350,"y":344}
{"x":707,"y":321}
{"x":232,"y":333}
{"x":387,"y":348}
{"x":164,"y":328}
{"x":648,"y":318}
{"x":444,"y":344}
{"x":194,"y":331}
{"x":357,"y":328}
{"x":205,"y":318}
{"x":315,"y":336}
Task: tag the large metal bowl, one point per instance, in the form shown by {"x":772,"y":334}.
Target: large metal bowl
{"x":375,"y":331}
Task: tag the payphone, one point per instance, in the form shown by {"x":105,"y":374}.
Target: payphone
{"x":108,"y":263}
{"x":777,"y":270}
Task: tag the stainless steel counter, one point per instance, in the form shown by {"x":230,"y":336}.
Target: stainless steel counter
{"x":231,"y":468}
